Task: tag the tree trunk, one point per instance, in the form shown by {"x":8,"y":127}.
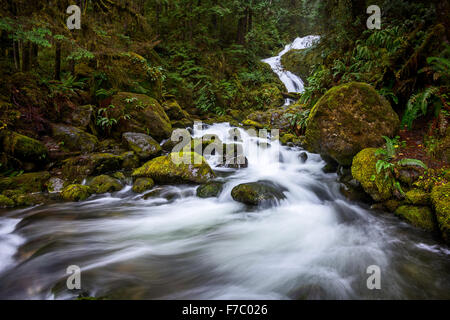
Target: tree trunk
{"x":26,"y":57}
{"x":16,"y":55}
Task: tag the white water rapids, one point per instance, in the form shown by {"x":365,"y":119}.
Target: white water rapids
{"x":314,"y":245}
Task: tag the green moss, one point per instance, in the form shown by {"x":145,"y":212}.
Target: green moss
{"x":183,"y":167}
{"x":6,"y":202}
{"x":27,"y":183}
{"x":104,"y":184}
{"x":75,"y":169}
{"x":288,"y":137}
{"x":364,"y":171}
{"x":421,"y":217}
{"x":347,"y":119}
{"x":418,"y":197}
{"x":76,"y":192}
{"x":209,"y":190}
{"x":74,"y":138}
{"x":143,"y":184}
{"x":440,"y":197}
{"x":24,"y":148}
{"x":146,"y":115}
{"x":253,"y":124}
{"x":256,"y":193}
{"x":129,"y":160}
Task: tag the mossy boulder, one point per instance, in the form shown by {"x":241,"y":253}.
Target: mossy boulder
{"x":174,"y":111}
{"x":347,"y":119}
{"x":364,"y":171}
{"x":27,"y":183}
{"x":74,"y":138}
{"x":288,"y":137}
{"x":143,"y":145}
{"x":24,"y":199}
{"x":418,"y":197}
{"x":75,"y":169}
{"x":183,"y":167}
{"x":130,"y":160}
{"x":440,"y":197}
{"x":209,"y":190}
{"x":24,"y":148}
{"x":257,"y":193}
{"x":418,"y":216}
{"x":143,"y":184}
{"x":146,"y":115}
{"x":76,"y":192}
{"x":105,"y":184}
{"x":6,"y":202}
{"x":253,"y":124}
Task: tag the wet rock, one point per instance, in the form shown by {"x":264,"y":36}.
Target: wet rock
{"x":440,"y":198}
{"x":74,"y":138}
{"x":347,"y":119}
{"x":303,"y":156}
{"x":24,"y":148}
{"x":77,"y":168}
{"x":364,"y":171}
{"x":130,"y":160}
{"x":183,"y":167}
{"x":174,"y":111}
{"x":146,"y":115}
{"x":257,"y":193}
{"x":252,"y":124}
{"x":76,"y":192}
{"x":104,"y":184}
{"x":143,"y":184}
{"x":143,"y":145}
{"x":421,"y":217}
{"x":209,"y":190}
{"x":408,"y":175}
{"x":27,"y":183}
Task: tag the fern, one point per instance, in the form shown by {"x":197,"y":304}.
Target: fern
{"x":412,"y":162}
{"x":418,"y":105}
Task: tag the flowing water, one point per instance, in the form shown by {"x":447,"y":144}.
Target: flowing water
{"x":314,"y":244}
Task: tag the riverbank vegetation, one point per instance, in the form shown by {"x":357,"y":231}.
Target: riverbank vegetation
{"x":99,"y":103}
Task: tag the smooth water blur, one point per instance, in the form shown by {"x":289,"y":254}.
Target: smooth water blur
{"x":292,"y":82}
{"x":314,"y":245}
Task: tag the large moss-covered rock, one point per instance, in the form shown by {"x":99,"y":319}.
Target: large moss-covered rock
{"x":145,"y":115}
{"x":74,"y":138}
{"x":104,"y":184}
{"x":76,"y":192}
{"x":440,"y":197}
{"x":27,"y":183}
{"x":183,"y":167}
{"x":418,"y":216}
{"x":209,"y":190}
{"x":257,"y":193}
{"x":143,"y":184}
{"x":364,"y":171}
{"x":347,"y":119}
{"x":24,"y":148}
{"x":143,"y":145}
{"x":77,"y":168}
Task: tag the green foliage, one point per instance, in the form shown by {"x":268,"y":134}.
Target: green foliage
{"x":80,"y":54}
{"x":418,"y":105}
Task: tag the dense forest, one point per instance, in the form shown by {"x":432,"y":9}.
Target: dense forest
{"x":88,"y":111}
